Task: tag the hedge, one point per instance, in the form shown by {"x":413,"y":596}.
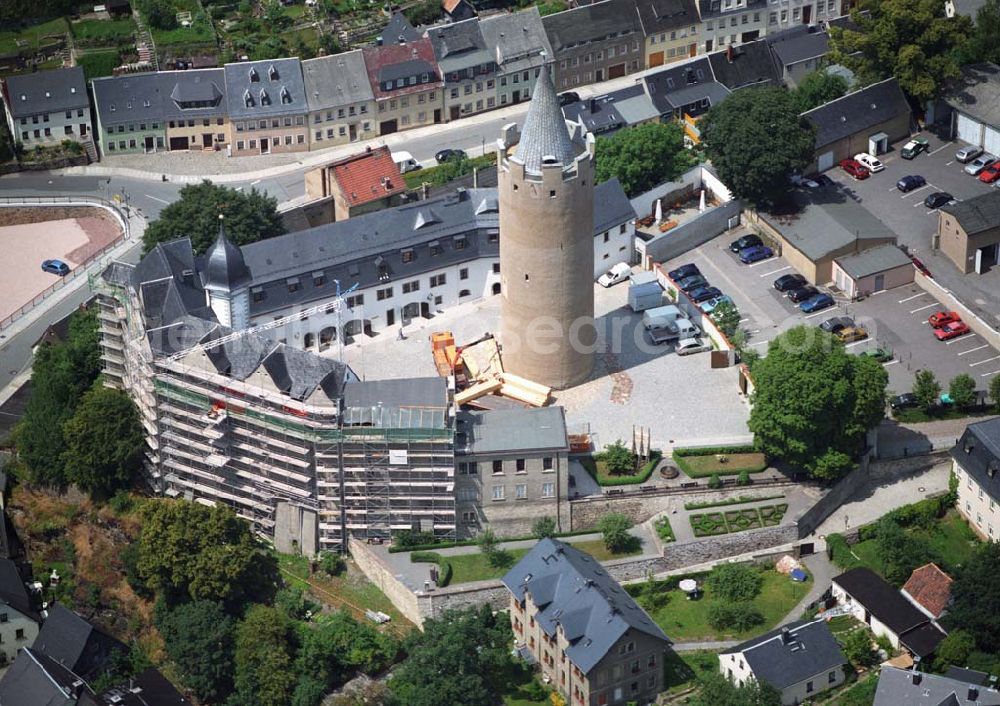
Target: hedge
{"x":641,"y":477}
{"x":399,"y":548}
{"x":444,"y":566}
{"x":840,"y":552}
{"x":741,"y":500}
{"x":715,"y":450}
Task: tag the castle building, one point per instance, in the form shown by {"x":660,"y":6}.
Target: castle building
{"x":546,"y":190}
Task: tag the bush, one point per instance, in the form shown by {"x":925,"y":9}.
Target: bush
{"x":618,"y":459}
{"x":715,"y":482}
{"x":615,"y":527}
{"x":663,"y":529}
{"x":840,"y":551}
{"x":858,"y":648}
{"x":735,"y":582}
{"x":743,"y":478}
{"x":331,"y":563}
{"x":734,"y":617}
{"x":413,"y":539}
{"x":544,"y":527}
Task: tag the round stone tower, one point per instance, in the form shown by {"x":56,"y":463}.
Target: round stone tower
{"x":546,"y":184}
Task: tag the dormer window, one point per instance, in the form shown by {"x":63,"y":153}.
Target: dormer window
{"x":286,"y":97}
{"x":254,"y":78}
{"x":264,"y":98}
{"x":970,"y":443}
{"x":272,"y":73}
{"x":293,"y":284}
{"x":72,"y":89}
{"x":381,"y":268}
{"x":145,"y":104}
{"x":24,"y":98}
{"x":113,"y":107}
{"x":247,"y":99}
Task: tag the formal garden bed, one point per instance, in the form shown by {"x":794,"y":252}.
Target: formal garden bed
{"x":663,"y":529}
{"x":714,"y":523}
{"x":719,"y":461}
{"x":741,"y":500}
{"x":617,"y":465}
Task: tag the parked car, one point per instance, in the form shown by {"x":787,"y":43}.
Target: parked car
{"x":938,"y":199}
{"x":968,"y":153}
{"x":823,"y":180}
{"x":881,"y":355}
{"x":568,"y":97}
{"x":952,"y":330}
{"x":449,"y":154}
{"x":799,"y":180}
{"x":869,"y":162}
{"x":789,"y":282}
{"x":687,"y":346}
{"x":712,"y":304}
{"x":980,"y":163}
{"x":747,"y":241}
{"x":703,"y":294}
{"x":816,"y":302}
{"x":914,"y":147}
{"x":940,"y":318}
{"x":990,"y":174}
{"x":836,"y":323}
{"x":910,"y":182}
{"x":800,"y":294}
{"x":904,"y":401}
{"x":55,"y":267}
{"x":684,"y":271}
{"x":755,"y":254}
{"x":849,"y":334}
{"x":854,"y":168}
{"x":692,"y":282}
{"x":618,"y":273}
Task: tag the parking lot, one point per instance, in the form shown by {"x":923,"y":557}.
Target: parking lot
{"x":895,"y":319}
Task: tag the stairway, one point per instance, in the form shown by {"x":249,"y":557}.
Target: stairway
{"x":144,"y":42}
{"x":91,"y":149}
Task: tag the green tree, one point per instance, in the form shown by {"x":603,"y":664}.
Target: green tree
{"x":962,"y":391}
{"x":249,"y":217}
{"x":954,"y":649}
{"x":995,"y":392}
{"x":337,"y":647}
{"x":727,"y":317}
{"x":544,"y":527}
{"x":198,"y":638}
{"x":715,"y":690}
{"x":489,"y":545}
{"x":976,"y":594}
{"x":814,"y":402}
{"x":617,"y":459}
{"x":857,"y":648}
{"x":159,"y":14}
{"x":734,"y":617}
{"x":424,"y":12}
{"x":463,"y":657}
{"x":927,"y":389}
{"x":643,"y":156}
{"x":819,"y":87}
{"x":615,"y":530}
{"x":331,"y":563}
{"x":982,"y":44}
{"x":104,"y":442}
{"x":755,"y":139}
{"x":900,"y":552}
{"x":909,"y":39}
{"x":189,"y":551}
{"x":263,"y":658}
{"x":735,"y":582}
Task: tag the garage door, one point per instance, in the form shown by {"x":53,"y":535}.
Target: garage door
{"x":825,"y":161}
{"x":991,"y":139}
{"x":968,"y":130}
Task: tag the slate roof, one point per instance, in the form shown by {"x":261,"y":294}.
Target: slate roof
{"x":204,"y":85}
{"x":147,"y":689}
{"x":858,"y":111}
{"x":404,"y":403}
{"x":394,"y":61}
{"x":978,"y":453}
{"x":13,"y":592}
{"x":46,"y":92}
{"x":336,"y":81}
{"x":278,"y":89}
{"x":517,"y":39}
{"x":977,"y":94}
{"x":36,"y":680}
{"x":873,"y":260}
{"x":129,"y":98}
{"x":399,"y":30}
{"x":74,"y":643}
{"x":591,"y":23}
{"x":600,"y":114}
{"x":459,"y":46}
{"x":792,"y":654}
{"x":902,"y":687}
{"x":695,"y":74}
{"x":977,"y":214}
{"x":713,"y":8}
{"x":511,"y":430}
{"x":368,"y":176}
{"x":544,"y":134}
{"x":666,"y":15}
{"x":970,"y":676}
{"x":746,"y":65}
{"x":224,"y":267}
{"x":930,"y":587}
{"x":798,"y":44}
{"x":572,"y":591}
{"x":611,"y":205}
{"x":969,"y":8}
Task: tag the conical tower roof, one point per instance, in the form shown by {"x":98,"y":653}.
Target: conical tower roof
{"x":545,"y":133}
{"x":225,"y":267}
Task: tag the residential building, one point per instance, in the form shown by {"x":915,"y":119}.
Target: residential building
{"x":975,"y":463}
{"x":670,"y":29}
{"x":969,"y":8}
{"x":866,"y":120}
{"x":798,"y":51}
{"x":800,"y":660}
{"x":590,"y":639}
{"x":458,"y":10}
{"x":968,"y":232}
{"x":970,"y":676}
{"x":19,"y":620}
{"x":37,"y":680}
{"x":886,"y":612}
{"x":929,"y":589}
{"x":407,"y":83}
{"x":341,"y":101}
{"x":149,"y":688}
{"x":749,"y":65}
{"x":626,"y":107}
{"x":903,"y":686}
{"x":194,"y":108}
{"x":783,"y":14}
{"x":46,"y":107}
{"x":398,"y":31}
{"x":686,"y":89}
{"x":267,"y":107}
{"x":975,"y":107}
{"x":74,"y":643}
{"x":873,"y":270}
{"x":594,"y":43}
{"x":129,"y":113}
{"x":520,"y":47}
{"x":728,"y":22}
{"x":361,"y":183}
{"x":512,"y":469}
{"x":467,"y":67}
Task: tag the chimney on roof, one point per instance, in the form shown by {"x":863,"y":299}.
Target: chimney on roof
{"x":973,"y":693}
{"x":368,"y":148}
{"x":593,"y":105}
{"x":916,"y":678}
{"x":786,"y":636}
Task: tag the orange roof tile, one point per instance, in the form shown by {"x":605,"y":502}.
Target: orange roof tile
{"x":368,"y":176}
{"x":929,"y":586}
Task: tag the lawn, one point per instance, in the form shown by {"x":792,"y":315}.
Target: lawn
{"x":98,"y":63}
{"x":713,"y":523}
{"x":684,"y":620}
{"x":103,"y":32}
{"x":199,"y":33}
{"x":681,"y":670}
{"x":32,"y":35}
{"x":735,"y":463}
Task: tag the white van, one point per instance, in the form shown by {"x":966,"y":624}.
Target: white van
{"x":660,"y":317}
{"x":406,"y":162}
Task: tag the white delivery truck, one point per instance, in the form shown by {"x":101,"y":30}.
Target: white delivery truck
{"x":646,"y":295}
{"x":406,"y":162}
{"x":661,"y":316}
{"x":679,"y":329}
{"x":641,"y":277}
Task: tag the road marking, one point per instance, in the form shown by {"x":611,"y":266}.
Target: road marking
{"x":820,"y":312}
{"x":156,"y":199}
{"x":745,"y":318}
{"x":891,"y":189}
{"x":929,"y":306}
{"x":903,"y":301}
{"x":996,"y":357}
{"x":891,"y":362}
{"x":950,"y":163}
{"x":760,"y":343}
{"x":254,"y":183}
{"x":977,"y":348}
{"x":960,"y":339}
{"x":986,"y":375}
{"x":780,"y":269}
{"x":851,"y":345}
{"x":938,"y":150}
{"x":761,"y":262}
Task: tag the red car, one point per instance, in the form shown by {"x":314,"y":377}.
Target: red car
{"x":854,"y":168}
{"x":990,"y":174}
{"x":952,"y":330}
{"x":941,"y":318}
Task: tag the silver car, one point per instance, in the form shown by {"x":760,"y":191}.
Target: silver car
{"x":979,"y":163}
{"x":689,"y":346}
{"x":968,"y":153}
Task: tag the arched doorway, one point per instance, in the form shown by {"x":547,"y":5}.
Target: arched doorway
{"x":356,"y":327}
{"x":411,"y":311}
{"x":308,"y":340}
{"x":496,"y":287}
{"x":326,"y":337}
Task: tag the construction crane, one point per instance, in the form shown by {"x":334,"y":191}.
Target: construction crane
{"x":337,"y":304}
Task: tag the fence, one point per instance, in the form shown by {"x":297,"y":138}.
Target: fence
{"x":81,"y":270}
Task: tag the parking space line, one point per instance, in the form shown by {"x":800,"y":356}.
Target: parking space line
{"x":986,"y":375}
{"x":851,"y":345}
{"x":929,"y":306}
{"x":963,"y":339}
{"x":819,"y":313}
{"x":977,"y":348}
{"x":996,"y":357}
{"x":948,"y":164}
{"x":761,"y":262}
{"x":780,"y":269}
{"x":891,"y":362}
{"x":938,"y":150}
{"x":915,"y":296}
{"x":760,"y":343}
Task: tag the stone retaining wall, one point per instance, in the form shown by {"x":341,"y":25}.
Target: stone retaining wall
{"x":380,"y":574}
{"x":704,"y":549}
